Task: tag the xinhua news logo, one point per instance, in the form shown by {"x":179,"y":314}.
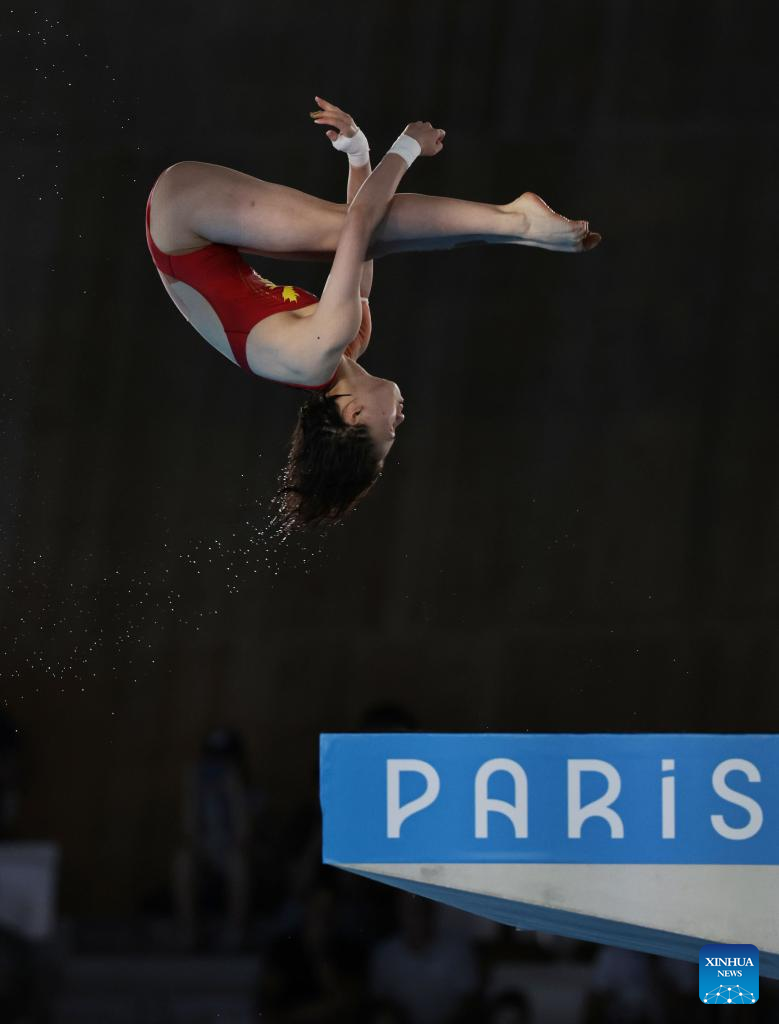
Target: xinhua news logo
{"x":729,"y":973}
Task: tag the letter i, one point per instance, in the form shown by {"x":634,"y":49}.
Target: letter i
{"x":669,"y":799}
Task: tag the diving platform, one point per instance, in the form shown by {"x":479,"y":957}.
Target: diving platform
{"x":661,"y":843}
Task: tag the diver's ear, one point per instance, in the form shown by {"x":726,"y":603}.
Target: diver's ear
{"x":352,"y":413}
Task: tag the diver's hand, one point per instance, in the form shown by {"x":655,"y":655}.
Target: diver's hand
{"x":429,"y":138}
{"x":342,"y":123}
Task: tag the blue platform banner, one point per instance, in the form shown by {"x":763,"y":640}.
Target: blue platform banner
{"x":576,"y":798}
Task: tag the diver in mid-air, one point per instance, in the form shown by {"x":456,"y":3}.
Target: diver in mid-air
{"x":200,"y":217}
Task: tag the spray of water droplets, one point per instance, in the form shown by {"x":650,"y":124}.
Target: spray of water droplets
{"x":57,"y":95}
{"x":64,"y":636}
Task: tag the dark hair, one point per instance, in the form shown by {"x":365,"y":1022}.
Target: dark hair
{"x":331,"y":465}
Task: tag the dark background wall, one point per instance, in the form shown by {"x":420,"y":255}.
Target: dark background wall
{"x":577,"y":529}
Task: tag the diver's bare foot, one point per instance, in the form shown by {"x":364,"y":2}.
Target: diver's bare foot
{"x":539,"y":225}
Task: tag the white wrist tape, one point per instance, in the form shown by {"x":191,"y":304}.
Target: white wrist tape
{"x":406,"y":147}
{"x":356,"y":148}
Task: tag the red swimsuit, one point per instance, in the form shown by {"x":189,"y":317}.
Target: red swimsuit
{"x":239,"y":296}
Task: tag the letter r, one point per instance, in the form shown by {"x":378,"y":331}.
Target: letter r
{"x":600,"y":808}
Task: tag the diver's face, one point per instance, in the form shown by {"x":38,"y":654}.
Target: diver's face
{"x":382,"y":414}
{"x":378,"y":405}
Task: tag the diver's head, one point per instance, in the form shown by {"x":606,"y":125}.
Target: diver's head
{"x":339,"y":445}
{"x":372,"y":402}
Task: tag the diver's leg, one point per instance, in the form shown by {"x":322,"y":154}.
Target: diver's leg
{"x":196,"y":203}
{"x":420,"y":222}
{"x":209,"y":203}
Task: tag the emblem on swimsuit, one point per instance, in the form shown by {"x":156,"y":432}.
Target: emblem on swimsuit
{"x":288,"y":293}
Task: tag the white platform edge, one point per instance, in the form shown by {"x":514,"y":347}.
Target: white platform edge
{"x":723,"y":903}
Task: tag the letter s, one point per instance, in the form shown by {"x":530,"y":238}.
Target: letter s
{"x":752,"y":807}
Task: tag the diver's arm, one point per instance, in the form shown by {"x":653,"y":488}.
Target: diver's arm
{"x":357,"y":175}
{"x":342,"y":126}
{"x":312,"y":347}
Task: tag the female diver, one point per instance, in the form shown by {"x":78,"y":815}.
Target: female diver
{"x":200,"y":217}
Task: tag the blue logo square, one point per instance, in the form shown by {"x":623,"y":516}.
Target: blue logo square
{"x":729,"y":973}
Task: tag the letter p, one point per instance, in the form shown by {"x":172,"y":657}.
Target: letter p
{"x":397,"y":813}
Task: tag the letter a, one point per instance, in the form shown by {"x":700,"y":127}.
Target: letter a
{"x":516,"y":812}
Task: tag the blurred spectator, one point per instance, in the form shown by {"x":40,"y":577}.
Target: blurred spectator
{"x":432,"y":976}
{"x":508,"y":1008}
{"x":17,"y":978}
{"x":624,"y":989}
{"x":315,"y":972}
{"x":216,"y":825}
{"x":678,"y":983}
{"x":382,"y":1011}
